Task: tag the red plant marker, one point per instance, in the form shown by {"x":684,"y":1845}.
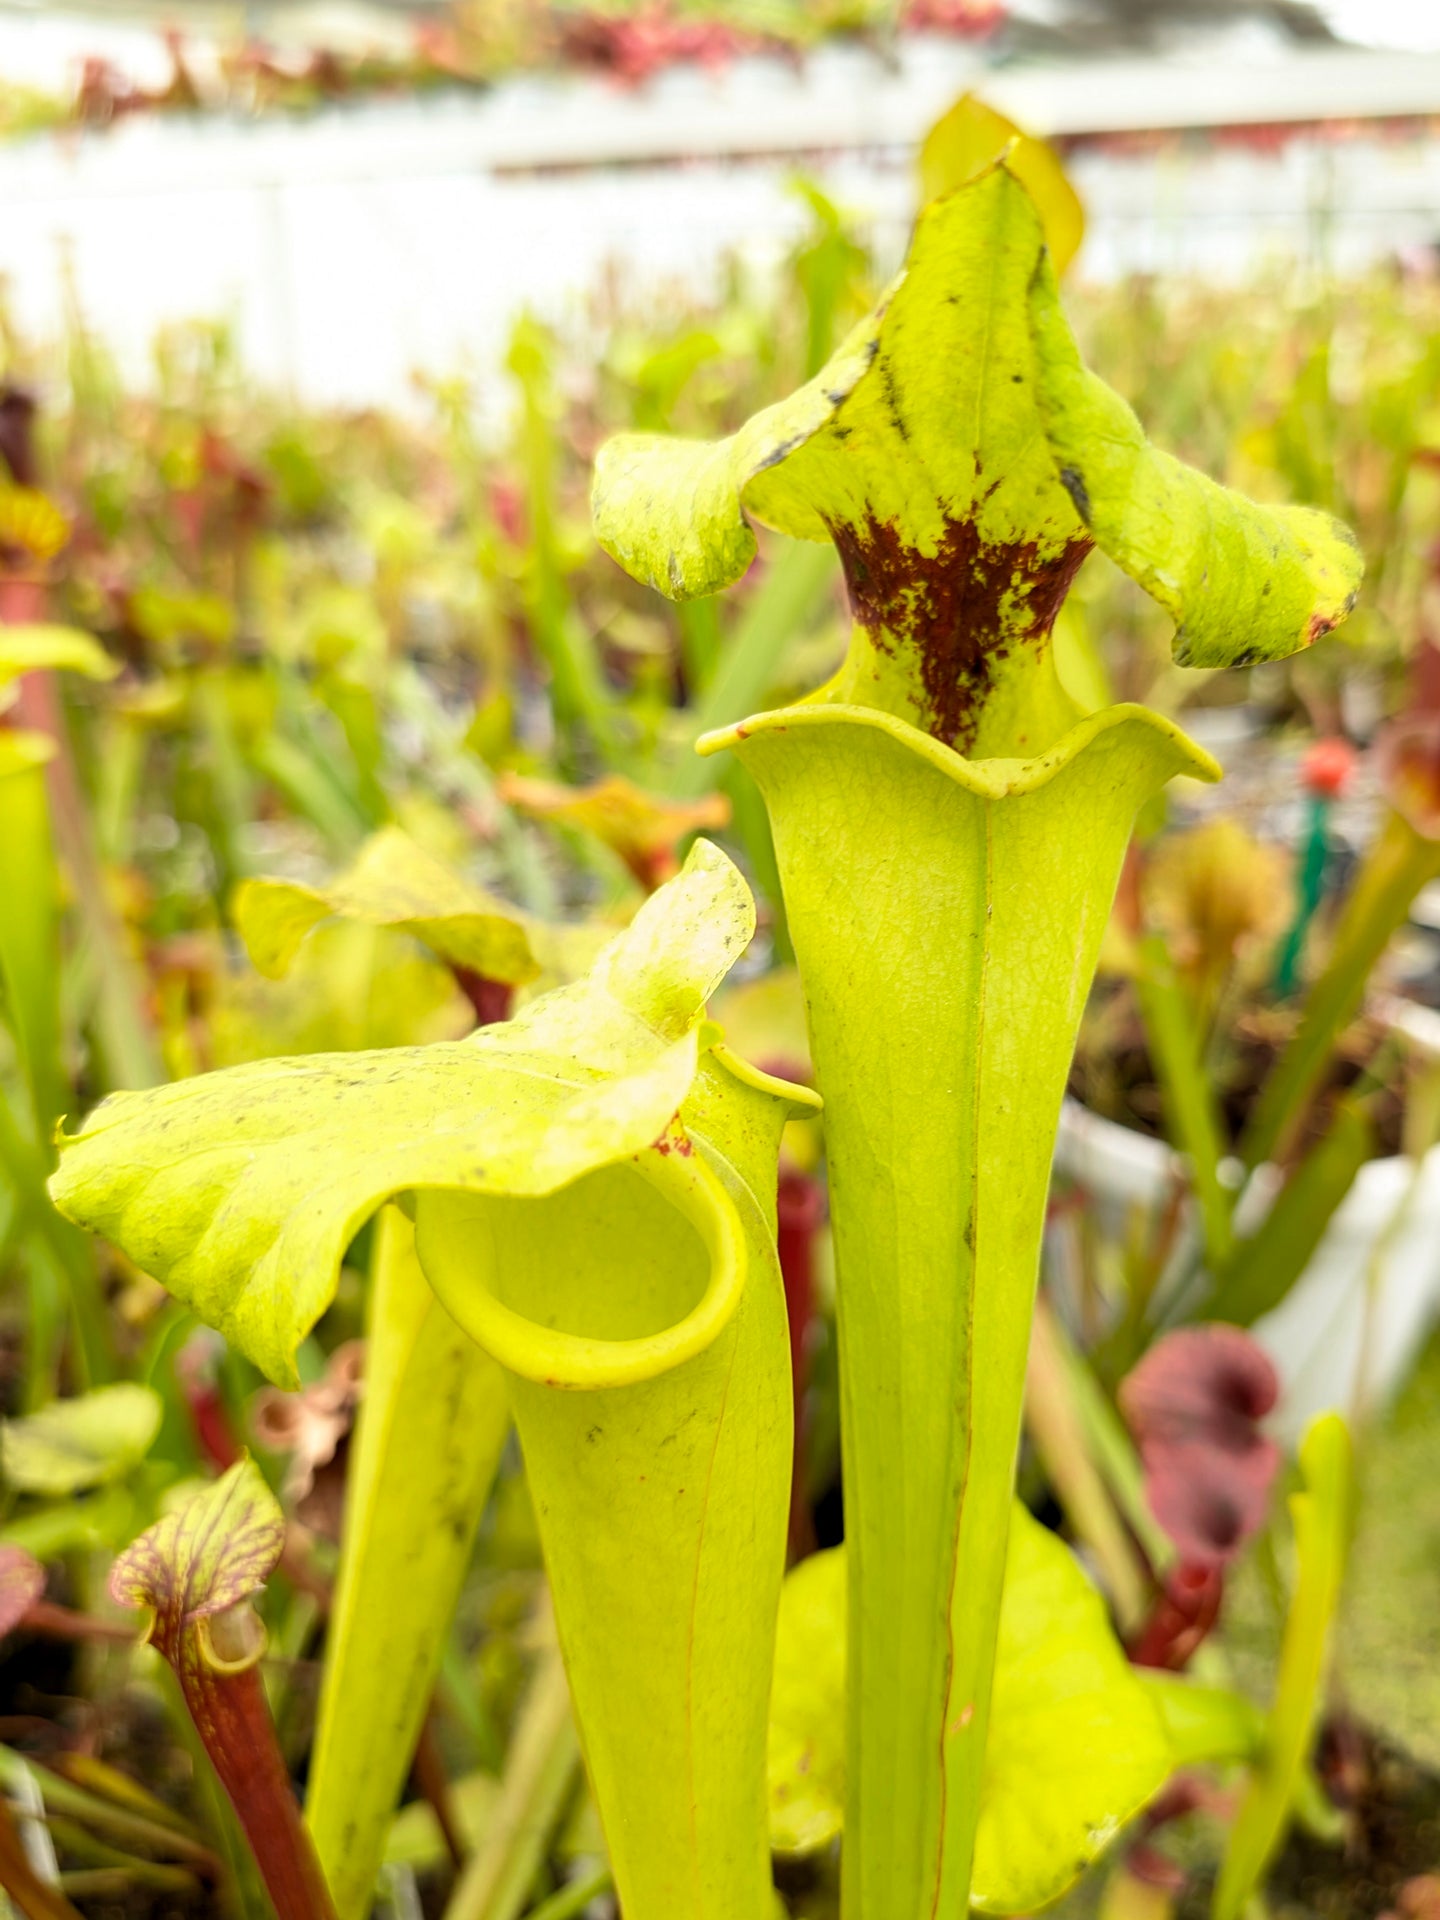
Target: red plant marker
{"x":196,"y":1571}
{"x":1328,"y":766}
{"x":1325,"y":773}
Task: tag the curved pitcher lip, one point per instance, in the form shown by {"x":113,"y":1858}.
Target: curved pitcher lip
{"x":990,"y":779}
{"x":800,"y":1099}
{"x":551,"y":1357}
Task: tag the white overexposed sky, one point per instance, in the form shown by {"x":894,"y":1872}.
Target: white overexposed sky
{"x":1411,"y":25}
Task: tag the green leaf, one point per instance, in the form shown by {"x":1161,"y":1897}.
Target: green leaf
{"x":1242,"y":582}
{"x":946,"y":916}
{"x":971,"y":137}
{"x":1264,"y":1266}
{"x":30,"y":938}
{"x":666,"y":1611}
{"x":806,"y":1745}
{"x":1323,"y":1515}
{"x":964,"y":463}
{"x":204,"y":1558}
{"x":241,"y":1190}
{"x":1076,"y":1746}
{"x":1192,"y":1110}
{"x":1204,"y":1725}
{"x":429,"y":1438}
{"x":74,"y":1445}
{"x":393,"y":883}
{"x":32,"y":649}
{"x":415,"y":1839}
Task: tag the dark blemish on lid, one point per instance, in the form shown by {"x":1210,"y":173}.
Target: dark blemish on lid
{"x":1073,"y":482}
{"x":782,"y":452}
{"x":961,"y":609}
{"x":892,"y":398}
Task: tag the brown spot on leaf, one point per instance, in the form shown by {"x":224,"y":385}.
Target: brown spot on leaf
{"x":960,"y":609}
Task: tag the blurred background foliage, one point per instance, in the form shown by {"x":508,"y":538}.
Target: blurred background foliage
{"x":245,"y":638}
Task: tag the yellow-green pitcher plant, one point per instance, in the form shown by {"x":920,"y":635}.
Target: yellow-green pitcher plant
{"x":592,"y":1186}
{"x":949,"y":827}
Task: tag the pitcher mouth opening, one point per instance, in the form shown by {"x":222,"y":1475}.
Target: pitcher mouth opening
{"x":552,"y":1357}
{"x":987,"y":779}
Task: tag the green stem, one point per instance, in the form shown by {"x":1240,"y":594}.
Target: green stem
{"x":539,"y":1775}
{"x":1185,"y":1089}
{"x":574,"y":1899}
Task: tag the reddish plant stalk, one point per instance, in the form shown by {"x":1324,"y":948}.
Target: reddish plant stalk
{"x":233,"y":1721}
{"x":1185,"y":1610}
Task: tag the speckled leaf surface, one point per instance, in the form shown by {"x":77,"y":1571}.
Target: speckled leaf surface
{"x":1242,"y":582}
{"x":393,"y":883}
{"x":241,"y":1190}
{"x":1076,"y":1747}
{"x":71,"y":1446}
{"x":964,"y":464}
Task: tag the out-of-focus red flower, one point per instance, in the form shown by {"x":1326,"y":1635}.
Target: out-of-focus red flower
{"x":1194,"y":1405}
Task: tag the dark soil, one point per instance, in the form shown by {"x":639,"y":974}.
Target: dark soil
{"x":1393,"y":1820}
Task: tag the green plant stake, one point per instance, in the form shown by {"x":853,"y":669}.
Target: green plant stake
{"x":595,"y":1183}
{"x":949,"y":831}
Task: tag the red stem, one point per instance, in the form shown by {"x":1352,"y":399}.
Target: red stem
{"x":234,"y":1723}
